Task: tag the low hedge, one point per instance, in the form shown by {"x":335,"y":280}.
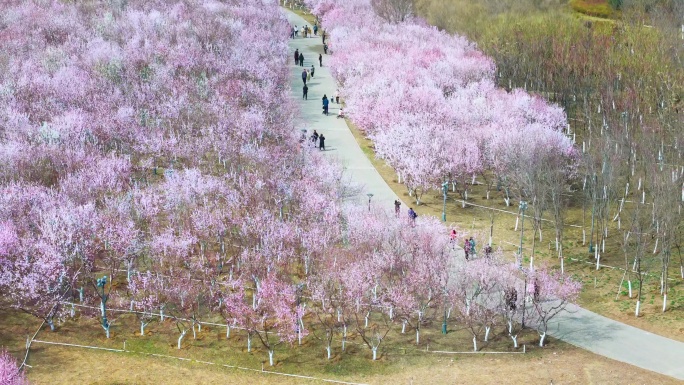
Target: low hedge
{"x":597,"y":8}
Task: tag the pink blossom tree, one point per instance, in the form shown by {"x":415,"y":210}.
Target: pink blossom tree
{"x":550,"y":293}
{"x":10,"y":374}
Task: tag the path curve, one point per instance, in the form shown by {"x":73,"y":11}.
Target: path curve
{"x":579,"y":327}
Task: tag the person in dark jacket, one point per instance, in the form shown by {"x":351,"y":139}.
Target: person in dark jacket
{"x":296,"y":56}
{"x":321,"y":142}
{"x":320,"y":59}
{"x":301,"y":59}
{"x":326,"y":102}
{"x":304,"y":73}
{"x":325,"y":49}
{"x":313,"y":69}
{"x":306,"y":92}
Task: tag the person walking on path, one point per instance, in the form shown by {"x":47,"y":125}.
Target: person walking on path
{"x":397,"y":207}
{"x":472,"y":246}
{"x":301,"y":59}
{"x":304,"y":76}
{"x":325,"y":49}
{"x":296,"y":56}
{"x":412,"y":217}
{"x":320,"y":59}
{"x":466,"y":248}
{"x":321,"y":142}
{"x":325,"y":104}
{"x":296,"y":31}
{"x":305,"y":96}
{"x":308,"y":75}
{"x":337,"y":96}
{"x":291,"y":32}
{"x":314,"y":137}
{"x":312,"y":70}
{"x":315,"y":29}
{"x":323,"y":36}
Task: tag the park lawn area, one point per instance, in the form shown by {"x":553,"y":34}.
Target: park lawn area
{"x":400,"y":362}
{"x":600,"y":287}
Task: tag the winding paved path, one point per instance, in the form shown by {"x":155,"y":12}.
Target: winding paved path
{"x":579,"y":327}
{"x":339,"y":141}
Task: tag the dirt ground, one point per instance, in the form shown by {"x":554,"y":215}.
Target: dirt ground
{"x":558,"y":365}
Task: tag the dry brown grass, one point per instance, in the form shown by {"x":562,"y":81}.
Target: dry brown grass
{"x":400,"y":362}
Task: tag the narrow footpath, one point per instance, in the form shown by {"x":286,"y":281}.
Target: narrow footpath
{"x":339,"y":141}
{"x":578,"y":326}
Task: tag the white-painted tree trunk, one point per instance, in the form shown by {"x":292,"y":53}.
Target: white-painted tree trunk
{"x":417,"y":336}
{"x":638,"y":307}
{"x":328,"y":350}
{"x":598,"y":261}
{"x":194,"y":333}
{"x":107,"y":329}
{"x":510,"y":327}
{"x":227,"y":331}
{"x":403,"y":327}
{"x":474,"y":344}
{"x":584,"y":237}
{"x":344,"y":337}
{"x":629,"y":286}
{"x":664,"y":302}
{"x":375,"y":353}
{"x":142,"y":328}
{"x":487,"y":329}
{"x":161,"y":313}
{"x":180,"y":339}
{"x":249,"y":342}
{"x":270,"y":357}
{"x":51,"y":323}
{"x":515,"y":340}
{"x":542,"y":336}
{"x":517,"y":220}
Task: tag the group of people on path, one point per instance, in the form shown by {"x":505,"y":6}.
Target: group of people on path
{"x":412,"y":215}
{"x":306,"y":31}
{"x":318,"y":140}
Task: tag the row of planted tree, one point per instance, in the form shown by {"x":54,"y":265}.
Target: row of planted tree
{"x":621,"y":84}
{"x":148,"y":165}
{"x":429,"y":103}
